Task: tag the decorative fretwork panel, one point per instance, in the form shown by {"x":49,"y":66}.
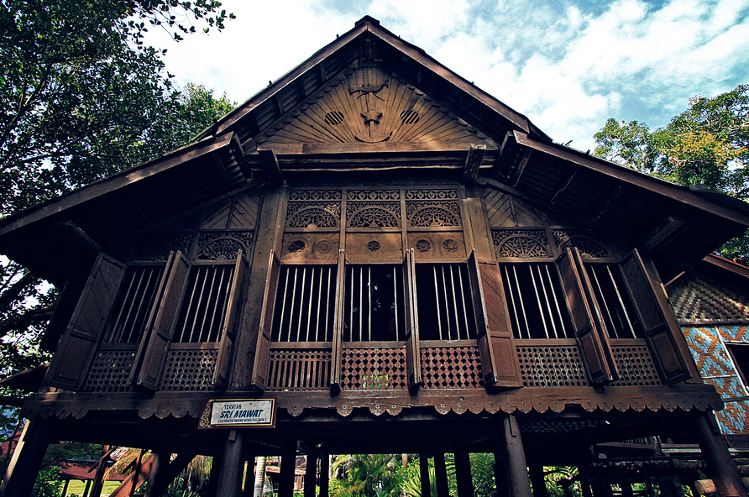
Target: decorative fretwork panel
{"x":635,"y":365}
{"x":589,"y":247}
{"x":374,"y":369}
{"x":433,"y":208}
{"x":314,"y":209}
{"x":223,"y":245}
{"x":373,"y":214}
{"x":372,"y":195}
{"x":157,"y":246}
{"x":451,"y":367}
{"x":110,"y":371}
{"x":551,"y":366}
{"x":299,"y":369}
{"x":190,"y":370}
{"x":526,"y":244}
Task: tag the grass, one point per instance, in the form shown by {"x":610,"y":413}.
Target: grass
{"x":77,"y":487}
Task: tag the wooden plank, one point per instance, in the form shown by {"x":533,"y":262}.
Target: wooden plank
{"x":272,"y":169}
{"x":473,"y":162}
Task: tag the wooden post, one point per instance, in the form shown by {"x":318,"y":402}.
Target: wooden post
{"x":720,"y":464}
{"x":324,"y":473}
{"x":538,"y":480}
{"x":440,"y":474}
{"x":248,"y":487}
{"x":463,"y":473}
{"x":212,"y":487}
{"x":286,"y":478}
{"x":230,"y":473}
{"x":158,"y":480}
{"x":500,"y":476}
{"x":26,"y":461}
{"x":426,"y":486}
{"x":86,"y":488}
{"x":310,"y":475}
{"x":514,"y":457}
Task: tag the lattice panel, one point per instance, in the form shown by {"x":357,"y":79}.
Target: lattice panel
{"x":299,"y":370}
{"x":551,"y":366}
{"x":110,"y":371}
{"x":190,"y":370}
{"x":451,"y":367}
{"x":374,"y":369}
{"x":635,"y":365}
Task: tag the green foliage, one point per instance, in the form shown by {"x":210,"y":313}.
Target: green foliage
{"x":366,"y":475}
{"x":48,"y":483}
{"x":482,"y":472}
{"x":706,"y":145}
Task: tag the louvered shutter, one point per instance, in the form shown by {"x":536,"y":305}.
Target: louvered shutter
{"x":262,"y":348}
{"x":228,"y":331}
{"x":413,"y":354}
{"x":337,"y":352}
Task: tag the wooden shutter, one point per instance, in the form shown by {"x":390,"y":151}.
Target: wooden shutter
{"x":337,"y":352}
{"x":78,"y":344}
{"x":262,"y":348}
{"x":154,"y":347}
{"x":653,"y":311}
{"x":496,"y":347}
{"x":228,"y":332}
{"x":589,"y":328}
{"x":413,"y":354}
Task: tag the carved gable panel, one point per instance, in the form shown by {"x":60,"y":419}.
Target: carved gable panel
{"x":368,"y":105}
{"x":237,"y":212}
{"x":504,"y":211}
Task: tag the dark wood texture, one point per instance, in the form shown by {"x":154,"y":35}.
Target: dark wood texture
{"x":78,"y":344}
{"x":514,"y":458}
{"x":498,"y":356}
{"x":591,"y":338}
{"x":721,"y":467}
{"x":232,"y":465}
{"x":337,"y":345}
{"x":26,"y":460}
{"x":260,"y":368}
{"x":440,"y":474}
{"x":426,"y":487}
{"x":228,"y":333}
{"x":158,"y":335}
{"x":661,"y":329}
{"x":413,"y":356}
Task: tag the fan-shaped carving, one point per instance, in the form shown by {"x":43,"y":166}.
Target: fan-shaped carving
{"x":522,"y":246}
{"x":433,"y":216}
{"x":587,"y":246}
{"x":373,"y":217}
{"x":368,"y":105}
{"x":312,"y":217}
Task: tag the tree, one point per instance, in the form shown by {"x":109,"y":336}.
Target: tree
{"x":82,"y":97}
{"x":706,"y":145}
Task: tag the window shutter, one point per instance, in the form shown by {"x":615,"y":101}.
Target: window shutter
{"x":337,"y":352}
{"x":151,"y":357}
{"x":496,"y":346}
{"x":413,"y":354}
{"x":591,"y":336}
{"x":653,"y":310}
{"x":228,"y":332}
{"x":262,"y":349}
{"x":78,"y":345}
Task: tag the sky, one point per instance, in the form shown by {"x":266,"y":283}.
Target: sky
{"x":567,"y":65}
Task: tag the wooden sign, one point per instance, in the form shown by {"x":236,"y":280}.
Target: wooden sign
{"x":234,"y":413}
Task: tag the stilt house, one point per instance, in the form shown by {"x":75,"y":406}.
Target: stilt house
{"x":371,"y":255}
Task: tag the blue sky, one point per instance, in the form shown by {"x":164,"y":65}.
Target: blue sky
{"x":566,"y":65}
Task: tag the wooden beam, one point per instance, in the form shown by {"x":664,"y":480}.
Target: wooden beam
{"x":564,"y":186}
{"x":272,"y":168}
{"x":518,"y":174}
{"x":660,"y":233}
{"x":232,"y":465}
{"x":514,"y":458}
{"x":78,"y":236}
{"x":306,"y":149}
{"x":605,"y":205}
{"x":473,"y":162}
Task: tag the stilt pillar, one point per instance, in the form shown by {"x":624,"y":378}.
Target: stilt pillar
{"x":248,"y":487}
{"x":463,"y":473}
{"x":720,"y":464}
{"x":500,"y":476}
{"x":538,"y":480}
{"x":310,"y":475}
{"x":288,"y":464}
{"x":324,"y":473}
{"x":519,"y":484}
{"x":440,"y":475}
{"x":232,"y":465}
{"x":26,"y":461}
{"x":426,"y":485}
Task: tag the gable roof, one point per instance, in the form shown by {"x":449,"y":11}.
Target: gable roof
{"x":369,"y":101}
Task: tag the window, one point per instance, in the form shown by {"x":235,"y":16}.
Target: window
{"x":133,"y":305}
{"x":305,"y":302}
{"x":374,"y":306}
{"x":740,"y":355}
{"x":617,"y":309}
{"x":536,"y":301}
{"x":444,"y":302}
{"x":204,"y":303}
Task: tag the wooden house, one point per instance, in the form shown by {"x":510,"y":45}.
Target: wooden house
{"x":371,"y":255}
